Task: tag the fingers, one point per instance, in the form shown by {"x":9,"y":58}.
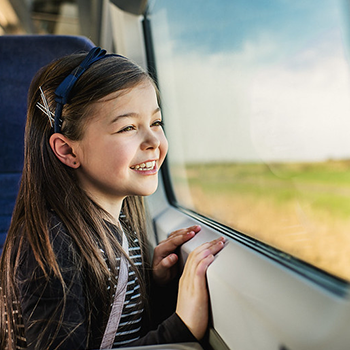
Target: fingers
{"x":175,"y":240}
{"x":194,"y":228}
{"x":192,"y":305}
{"x":208,"y":249}
{"x":199,"y":260}
{"x":169,"y":261}
{"x":164,"y":259}
{"x":179,"y":237}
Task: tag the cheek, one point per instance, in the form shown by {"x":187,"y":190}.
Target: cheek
{"x":163,"y":148}
{"x":121,"y":156}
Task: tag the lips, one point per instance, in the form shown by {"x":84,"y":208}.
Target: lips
{"x":144,"y":166}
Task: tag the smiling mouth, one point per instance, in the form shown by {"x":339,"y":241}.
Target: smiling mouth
{"x":144,"y":166}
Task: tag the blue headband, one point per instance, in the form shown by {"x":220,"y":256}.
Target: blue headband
{"x":64,"y":89}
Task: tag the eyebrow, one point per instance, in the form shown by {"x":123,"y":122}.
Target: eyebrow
{"x":130,"y":115}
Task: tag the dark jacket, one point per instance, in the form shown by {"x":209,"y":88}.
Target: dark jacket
{"x":42,"y":299}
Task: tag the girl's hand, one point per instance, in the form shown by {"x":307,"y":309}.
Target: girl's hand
{"x":165,"y":260}
{"x":192,"y":302}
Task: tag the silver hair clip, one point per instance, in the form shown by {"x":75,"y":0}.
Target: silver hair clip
{"x":45,"y":108}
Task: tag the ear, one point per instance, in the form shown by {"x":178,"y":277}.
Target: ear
{"x":62,"y":147}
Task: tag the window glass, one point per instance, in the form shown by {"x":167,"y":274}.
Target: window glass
{"x":256,"y":103}
{"x":39,"y":17}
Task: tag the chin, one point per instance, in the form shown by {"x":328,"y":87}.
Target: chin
{"x":148,"y":191}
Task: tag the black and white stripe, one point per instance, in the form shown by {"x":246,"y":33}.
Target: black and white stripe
{"x":131,"y":319}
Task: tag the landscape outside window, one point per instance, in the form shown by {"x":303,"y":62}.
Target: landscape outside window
{"x":256,"y":103}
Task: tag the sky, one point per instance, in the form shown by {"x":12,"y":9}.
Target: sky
{"x":254,"y":80}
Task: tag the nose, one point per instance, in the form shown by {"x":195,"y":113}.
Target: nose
{"x":151,"y":140}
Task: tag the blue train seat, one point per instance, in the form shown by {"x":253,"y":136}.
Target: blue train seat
{"x":20,"y":58}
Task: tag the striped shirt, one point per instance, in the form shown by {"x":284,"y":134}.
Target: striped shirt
{"x":131,"y":319}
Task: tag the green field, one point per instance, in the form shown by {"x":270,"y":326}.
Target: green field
{"x":301,"y":208}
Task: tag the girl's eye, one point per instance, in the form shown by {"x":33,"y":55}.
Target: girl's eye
{"x":127,"y":128}
{"x":158,"y":123}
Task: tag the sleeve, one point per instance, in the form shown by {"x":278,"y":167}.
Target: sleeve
{"x":54,"y":318}
{"x":162,"y":301}
{"x":172,"y":330}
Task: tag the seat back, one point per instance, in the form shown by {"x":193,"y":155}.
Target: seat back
{"x":20,"y":58}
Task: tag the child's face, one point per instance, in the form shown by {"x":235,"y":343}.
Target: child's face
{"x":123,"y":146}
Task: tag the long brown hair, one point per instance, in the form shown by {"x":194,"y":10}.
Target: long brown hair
{"x":47,"y":184}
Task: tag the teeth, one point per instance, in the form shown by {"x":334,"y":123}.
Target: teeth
{"x":145,"y":166}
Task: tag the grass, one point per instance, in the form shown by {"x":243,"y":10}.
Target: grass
{"x":301,"y":208}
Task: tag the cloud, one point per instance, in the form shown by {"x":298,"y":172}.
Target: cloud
{"x":301,"y":111}
{"x":257,"y":103}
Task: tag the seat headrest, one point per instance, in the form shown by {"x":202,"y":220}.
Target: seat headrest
{"x":21,"y":56}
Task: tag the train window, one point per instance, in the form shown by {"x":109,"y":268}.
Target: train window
{"x":45,"y":17}
{"x":256,"y":103}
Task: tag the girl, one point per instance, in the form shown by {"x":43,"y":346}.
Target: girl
{"x":74,"y":269}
